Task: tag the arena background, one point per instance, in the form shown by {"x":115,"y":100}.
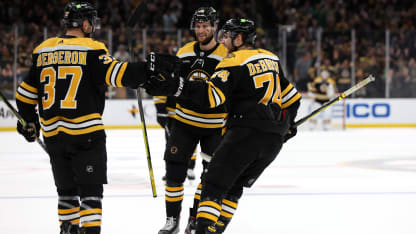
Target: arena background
{"x":350,"y":39}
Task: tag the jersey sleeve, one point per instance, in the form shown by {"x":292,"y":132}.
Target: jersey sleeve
{"x":211,"y":93}
{"x":27,"y":96}
{"x":116,"y":73}
{"x":290,"y":95}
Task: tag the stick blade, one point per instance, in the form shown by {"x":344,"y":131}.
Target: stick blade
{"x":137,"y":13}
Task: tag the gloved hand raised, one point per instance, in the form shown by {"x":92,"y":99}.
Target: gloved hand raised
{"x":157,"y":63}
{"x":30,"y":131}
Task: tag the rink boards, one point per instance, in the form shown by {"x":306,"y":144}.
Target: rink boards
{"x":352,"y":113}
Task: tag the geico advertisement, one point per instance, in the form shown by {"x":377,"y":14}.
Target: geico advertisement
{"x":357,"y":112}
{"x":379,"y":112}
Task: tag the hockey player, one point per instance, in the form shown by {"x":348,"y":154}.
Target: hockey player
{"x":191,"y":124}
{"x":261,"y":106}
{"x":321,"y":90}
{"x":67,"y":83}
{"x":162,"y":120}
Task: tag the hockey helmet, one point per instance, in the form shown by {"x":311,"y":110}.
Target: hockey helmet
{"x":245,"y":27}
{"x":204,"y":14}
{"x":76,"y":12}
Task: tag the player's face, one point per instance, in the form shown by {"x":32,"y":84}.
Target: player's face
{"x":204,"y":32}
{"x":225,"y":39}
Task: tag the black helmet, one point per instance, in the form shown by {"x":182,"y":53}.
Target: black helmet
{"x":244,"y":26}
{"x":76,"y":12}
{"x":204,"y":14}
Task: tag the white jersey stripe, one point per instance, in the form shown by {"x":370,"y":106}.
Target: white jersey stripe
{"x":64,"y":47}
{"x":289,"y":95}
{"x":72,"y":125}
{"x":26,"y":93}
{"x":201,"y":120}
{"x":187,"y":55}
{"x":114,"y":74}
{"x":260,"y":56}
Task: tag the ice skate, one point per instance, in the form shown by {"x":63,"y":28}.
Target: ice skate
{"x":171,"y":226}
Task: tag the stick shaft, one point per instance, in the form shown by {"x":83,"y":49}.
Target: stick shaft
{"x":146,"y":143}
{"x":20,"y":119}
{"x":133,"y":19}
{"x":343,"y":95}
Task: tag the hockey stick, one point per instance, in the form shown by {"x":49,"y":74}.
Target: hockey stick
{"x":343,"y":95}
{"x":132,"y":21}
{"x":20,"y":119}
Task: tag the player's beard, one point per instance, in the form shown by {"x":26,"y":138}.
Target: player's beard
{"x":208,"y":40}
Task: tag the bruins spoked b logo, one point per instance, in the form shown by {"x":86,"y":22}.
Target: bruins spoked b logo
{"x":198,"y":75}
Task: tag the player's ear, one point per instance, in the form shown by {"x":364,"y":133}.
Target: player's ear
{"x":86,"y":26}
{"x":238,"y":40}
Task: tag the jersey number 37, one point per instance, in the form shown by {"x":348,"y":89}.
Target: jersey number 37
{"x":49,"y":77}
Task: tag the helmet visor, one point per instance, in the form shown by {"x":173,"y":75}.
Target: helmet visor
{"x":223,"y":35}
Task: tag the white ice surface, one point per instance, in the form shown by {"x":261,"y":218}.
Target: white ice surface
{"x":343,"y":182}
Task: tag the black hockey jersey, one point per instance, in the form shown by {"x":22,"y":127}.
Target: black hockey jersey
{"x":252,"y":85}
{"x":68,"y":81}
{"x":198,"y":65}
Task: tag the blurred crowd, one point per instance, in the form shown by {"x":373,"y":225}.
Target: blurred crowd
{"x":308,"y":25}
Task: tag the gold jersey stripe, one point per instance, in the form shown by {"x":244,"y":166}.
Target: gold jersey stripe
{"x":68,"y":211}
{"x":196,"y":124}
{"x":72,"y":132}
{"x":84,"y":42}
{"x":292,"y":100}
{"x":226,"y":214}
{"x":173,"y":199}
{"x":109,"y":71}
{"x":92,"y":224}
{"x":237,"y":58}
{"x":229,"y":203}
{"x":212,"y":101}
{"x":187,"y":48}
{"x":211,"y":204}
{"x":75,"y":120}
{"x":90,"y":211}
{"x":28,"y":87}
{"x":287,"y":89}
{"x":75,"y":221}
{"x":208,"y":116}
{"x":207,"y":216}
{"x":25,"y":99}
{"x":197,"y":197}
{"x":120,"y":75}
{"x":174,"y":189}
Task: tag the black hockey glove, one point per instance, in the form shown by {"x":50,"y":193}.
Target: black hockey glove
{"x":165,"y":84}
{"x":166,"y":63}
{"x":290,"y":133}
{"x":30,"y":131}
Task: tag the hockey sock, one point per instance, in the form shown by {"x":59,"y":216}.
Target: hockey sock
{"x":173,"y":197}
{"x":90,"y":215}
{"x":197,"y":198}
{"x":208,"y":211}
{"x":68,"y":210}
{"x":228,"y":209}
{"x":191,"y":163}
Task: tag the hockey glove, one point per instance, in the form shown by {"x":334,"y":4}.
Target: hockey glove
{"x":290,"y":133}
{"x":165,"y":84}
{"x":166,"y":63}
{"x":30,"y":131}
